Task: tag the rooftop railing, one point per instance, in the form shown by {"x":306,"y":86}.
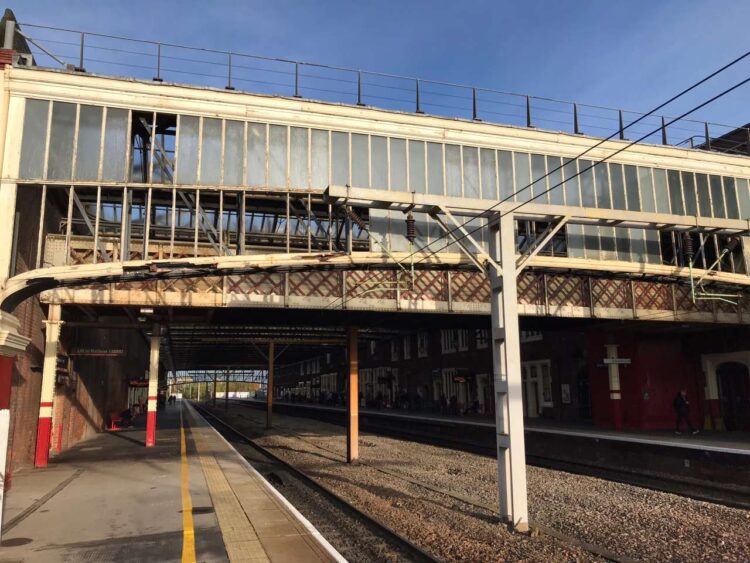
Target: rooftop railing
{"x":99,"y":53}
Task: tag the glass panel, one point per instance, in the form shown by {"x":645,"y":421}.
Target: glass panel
{"x":575,"y":241}
{"x":34,"y":138}
{"x":646,"y":189}
{"x":675,"y":192}
{"x":744,"y":198}
{"x":234,"y":152}
{"x":416,"y":167}
{"x":453,"y":170}
{"x":398,"y":165}
{"x":587,"y":183}
{"x":717,"y":198}
{"x":638,"y":245}
{"x":603,"y":198}
{"x":688,"y":190}
{"x":256,"y":154}
{"x":298,"y":155}
{"x":471,"y":172}
{"x":661,"y":194}
{"x":277,"y":147}
{"x":379,"y":164}
{"x":505,"y":171}
{"x":591,"y":241}
{"x":554,"y":169}
{"x":89,"y":138}
{"x":631,"y":188}
{"x":704,"y":196}
{"x":618,"y":186}
{"x":319,"y":159}
{"x":360,"y":161}
{"x":211,"y":151}
{"x":61,"y":141}
{"x":115,"y":144}
{"x":607,"y":241}
{"x":572,"y":187}
{"x":522,"y":176}
{"x":653,"y":248}
{"x":489,"y":177}
{"x":538,"y":172}
{"x":622,"y":242}
{"x":730,"y":198}
{"x":340,"y":173}
{"x":435,"y":168}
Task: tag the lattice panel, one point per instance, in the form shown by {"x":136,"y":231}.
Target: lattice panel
{"x":611,"y":293}
{"x":472,"y":287}
{"x":650,"y":295}
{"x":256,"y":284}
{"x":137,"y":285}
{"x":371,"y":284}
{"x":428,"y":286}
{"x":315,"y":284}
{"x":725,"y":307}
{"x":211,"y":284}
{"x":567,"y":290}
{"x":530,"y":289}
{"x":81,"y":256}
{"x":683,"y":301}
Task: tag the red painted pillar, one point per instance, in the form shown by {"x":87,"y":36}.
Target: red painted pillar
{"x":49,"y":373}
{"x":11,"y":344}
{"x":6,"y":380}
{"x":153,"y":386}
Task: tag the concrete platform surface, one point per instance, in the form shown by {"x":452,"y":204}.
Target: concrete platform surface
{"x":112,"y":499}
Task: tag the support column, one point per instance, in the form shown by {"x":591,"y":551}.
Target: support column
{"x":11,"y":344}
{"x":506,"y":361}
{"x":213,"y":397}
{"x":615,"y":396}
{"x":153,"y":386}
{"x":352,"y":410}
{"x":269,"y":385}
{"x":49,"y":373}
{"x":713,"y":419}
{"x":226,"y":393}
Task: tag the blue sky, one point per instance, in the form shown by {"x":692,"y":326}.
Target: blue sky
{"x":631,"y":54}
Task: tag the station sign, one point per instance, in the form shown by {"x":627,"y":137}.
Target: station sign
{"x":98,"y":352}
{"x":617,"y":361}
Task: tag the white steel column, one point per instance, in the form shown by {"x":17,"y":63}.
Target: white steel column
{"x":153,"y":386}
{"x":47,"y":395}
{"x":506,"y":361}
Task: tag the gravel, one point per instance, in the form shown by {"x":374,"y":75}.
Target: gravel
{"x":459,"y":523}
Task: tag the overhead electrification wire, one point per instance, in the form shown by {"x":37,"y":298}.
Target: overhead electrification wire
{"x":618,"y":151}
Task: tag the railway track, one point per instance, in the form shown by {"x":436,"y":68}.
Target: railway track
{"x":383,"y":543}
{"x":698,"y":490}
{"x":536,"y":528}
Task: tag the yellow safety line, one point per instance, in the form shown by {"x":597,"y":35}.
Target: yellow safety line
{"x":188,"y":532}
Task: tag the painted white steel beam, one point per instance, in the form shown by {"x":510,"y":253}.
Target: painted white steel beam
{"x":532,"y":211}
{"x":506,"y":369}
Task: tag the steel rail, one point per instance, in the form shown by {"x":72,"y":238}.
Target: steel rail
{"x":703,"y":491}
{"x":382,"y":529}
{"x":535,"y":526}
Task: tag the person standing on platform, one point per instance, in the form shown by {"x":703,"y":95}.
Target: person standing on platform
{"x":681,"y":409}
